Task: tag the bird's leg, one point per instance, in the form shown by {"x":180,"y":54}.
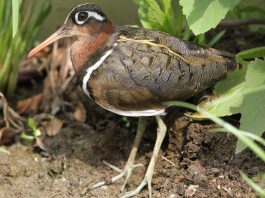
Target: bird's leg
{"x":127,"y":171}
{"x":161,"y":132}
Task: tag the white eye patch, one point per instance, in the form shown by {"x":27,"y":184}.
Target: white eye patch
{"x":82,"y":16}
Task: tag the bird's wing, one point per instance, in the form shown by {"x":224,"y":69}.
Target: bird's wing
{"x":170,"y":67}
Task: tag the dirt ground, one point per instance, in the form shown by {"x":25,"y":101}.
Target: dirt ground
{"x":193,"y":162}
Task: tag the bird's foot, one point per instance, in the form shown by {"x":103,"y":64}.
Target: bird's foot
{"x":126,"y":172}
{"x":146,"y":181}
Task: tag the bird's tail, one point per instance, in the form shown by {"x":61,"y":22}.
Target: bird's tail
{"x":229,"y":58}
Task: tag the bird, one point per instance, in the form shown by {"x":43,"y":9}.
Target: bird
{"x":133,"y":71}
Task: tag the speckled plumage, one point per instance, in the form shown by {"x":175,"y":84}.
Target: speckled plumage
{"x":139,"y":76}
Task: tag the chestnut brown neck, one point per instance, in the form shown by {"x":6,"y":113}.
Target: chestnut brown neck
{"x":84,"y":47}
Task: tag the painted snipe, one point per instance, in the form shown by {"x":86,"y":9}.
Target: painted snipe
{"x":131,"y":72}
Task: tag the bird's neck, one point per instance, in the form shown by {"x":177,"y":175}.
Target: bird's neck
{"x":83,"y":48}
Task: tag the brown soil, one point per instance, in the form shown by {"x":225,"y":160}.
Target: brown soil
{"x":202,"y":164}
{"x":193,"y":162}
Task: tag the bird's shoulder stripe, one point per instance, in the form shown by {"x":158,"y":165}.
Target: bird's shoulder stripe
{"x":92,"y":68}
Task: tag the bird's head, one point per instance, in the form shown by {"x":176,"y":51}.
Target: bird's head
{"x":87,"y":27}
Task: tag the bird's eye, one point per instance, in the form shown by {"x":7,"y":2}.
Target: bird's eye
{"x":81,"y":17}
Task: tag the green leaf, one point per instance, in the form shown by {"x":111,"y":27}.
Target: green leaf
{"x":253,"y":106}
{"x":32,"y":124}
{"x":222,"y":105}
{"x":204,"y":15}
{"x":179,"y":21}
{"x":201,"y":39}
{"x":26,"y":137}
{"x":17,"y":19}
{"x":252,"y":53}
{"x":237,"y":95}
{"x":155,"y":14}
{"x":169,"y":16}
{"x":158,"y":15}
{"x":15,"y":14}
{"x":242,"y":92}
{"x":216,"y":38}
{"x":167,"y":8}
{"x":36,"y":133}
{"x":228,"y":94}
{"x":233,"y":79}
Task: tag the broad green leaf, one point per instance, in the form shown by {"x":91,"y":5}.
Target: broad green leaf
{"x":233,"y":79}
{"x":242,"y":92}
{"x":253,"y":106}
{"x":255,"y":75}
{"x":222,"y":105}
{"x":228,"y":94}
{"x":204,"y":15}
{"x":252,"y":118}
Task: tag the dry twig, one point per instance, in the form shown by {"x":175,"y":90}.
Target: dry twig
{"x":10,"y":116}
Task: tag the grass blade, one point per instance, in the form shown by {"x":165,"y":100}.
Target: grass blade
{"x":15,"y":15}
{"x":252,"y":53}
{"x":216,"y":38}
{"x":253,"y":185}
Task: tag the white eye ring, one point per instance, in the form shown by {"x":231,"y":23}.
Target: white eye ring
{"x":89,"y":15}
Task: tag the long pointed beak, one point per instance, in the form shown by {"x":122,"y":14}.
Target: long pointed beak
{"x":59,"y":34}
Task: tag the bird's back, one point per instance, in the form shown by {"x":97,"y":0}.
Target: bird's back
{"x":170,"y":67}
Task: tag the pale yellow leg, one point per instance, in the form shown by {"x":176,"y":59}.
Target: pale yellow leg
{"x":127,"y":171}
{"x":161,"y":132}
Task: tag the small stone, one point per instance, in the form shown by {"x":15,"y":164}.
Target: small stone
{"x":215,"y":170}
{"x":104,"y":187}
{"x":61,"y":183}
{"x":196,"y":172}
{"x":173,"y":196}
{"x":178,"y":178}
{"x":191,"y":190}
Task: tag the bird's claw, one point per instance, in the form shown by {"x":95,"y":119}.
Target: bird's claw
{"x":134,"y":192}
{"x":126,"y":172}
